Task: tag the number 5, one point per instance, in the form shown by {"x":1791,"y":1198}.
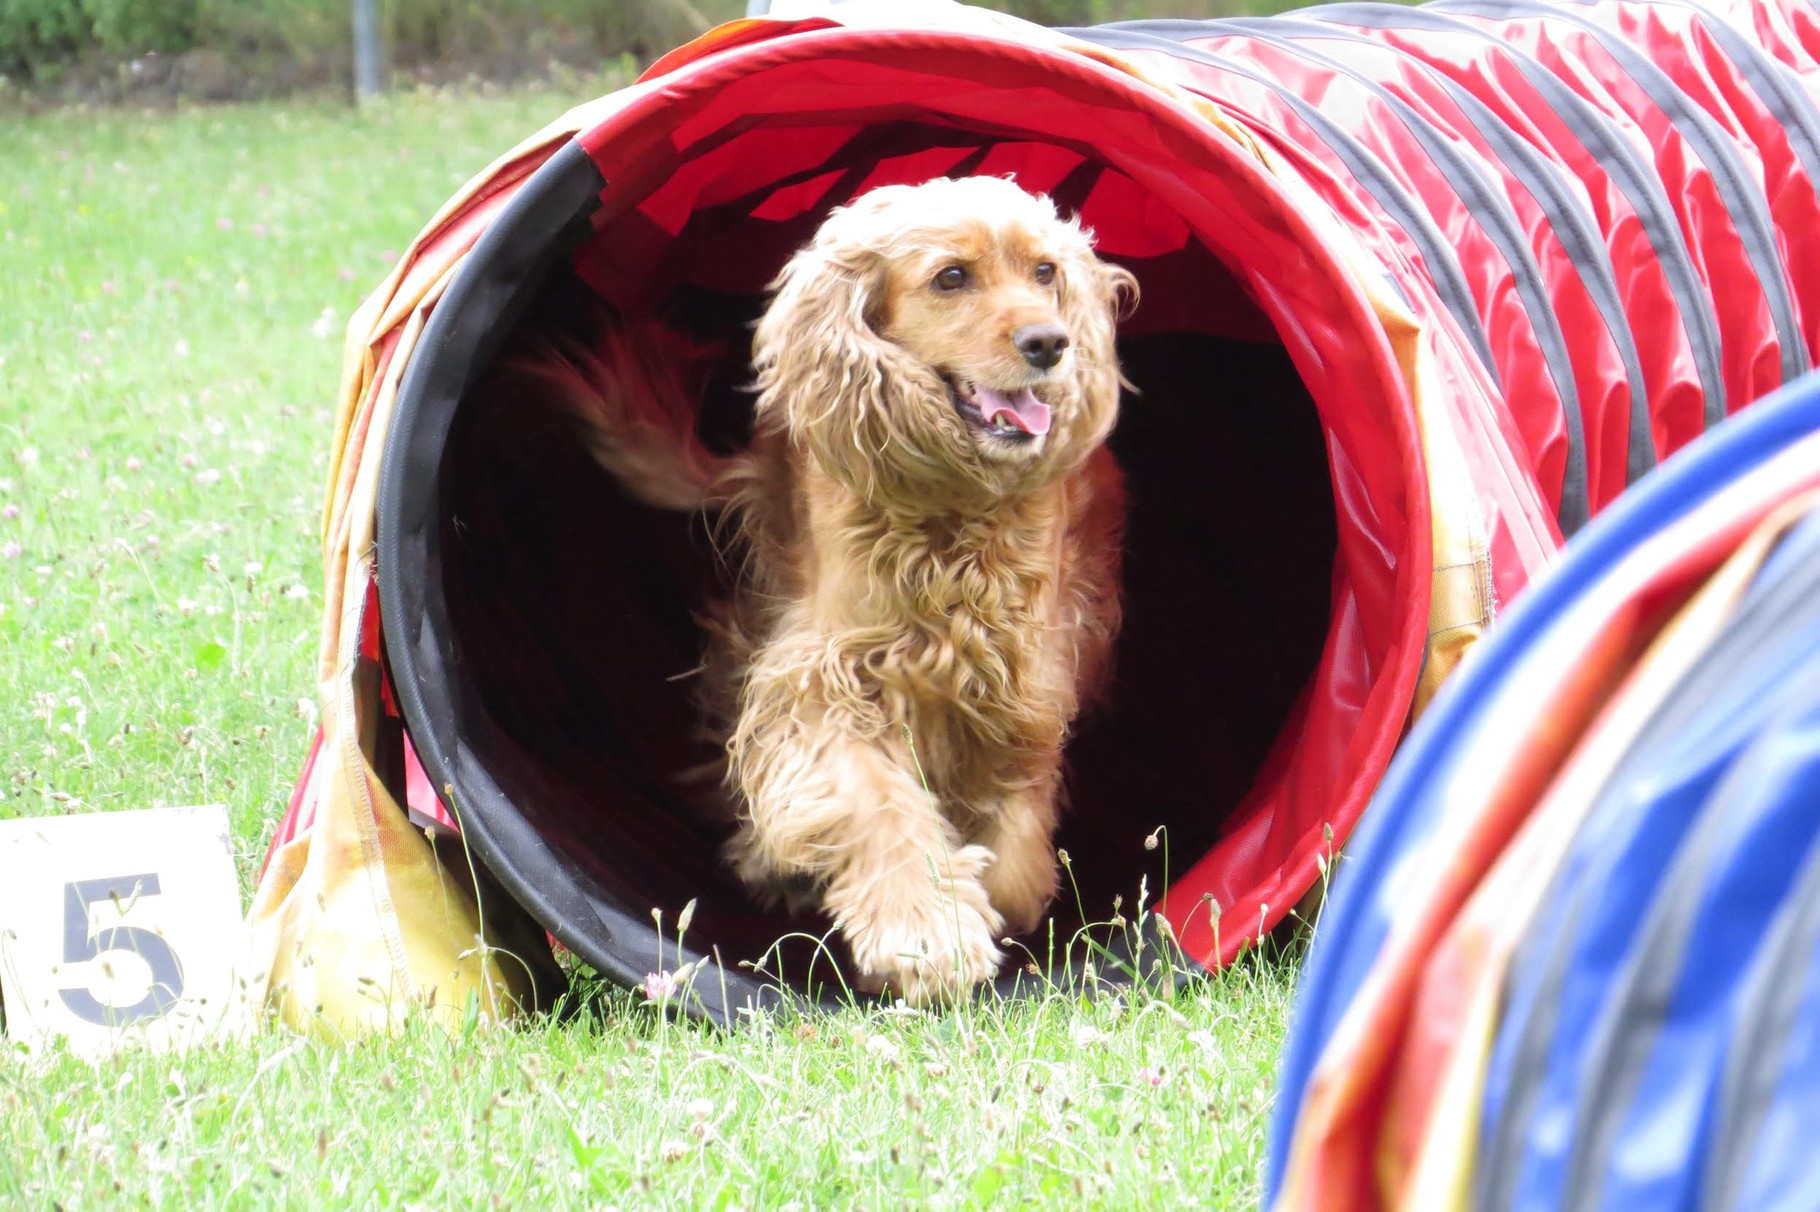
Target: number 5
{"x":82,"y":942}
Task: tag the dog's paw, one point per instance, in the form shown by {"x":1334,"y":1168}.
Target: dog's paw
{"x":1023,"y":884}
{"x":926,"y":939}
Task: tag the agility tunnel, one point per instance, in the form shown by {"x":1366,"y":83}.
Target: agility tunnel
{"x":1422,"y":290}
{"x":1572,"y":963}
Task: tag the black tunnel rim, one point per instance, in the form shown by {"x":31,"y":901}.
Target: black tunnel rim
{"x":493,"y":286}
{"x":496,"y":282}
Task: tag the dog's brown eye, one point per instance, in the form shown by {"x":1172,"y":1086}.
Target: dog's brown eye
{"x":1045,"y":273}
{"x":951,"y":278}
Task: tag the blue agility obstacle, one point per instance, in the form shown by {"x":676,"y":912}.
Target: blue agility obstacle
{"x":1587,"y":980}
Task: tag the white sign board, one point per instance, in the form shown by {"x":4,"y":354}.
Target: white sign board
{"x":118,"y":926}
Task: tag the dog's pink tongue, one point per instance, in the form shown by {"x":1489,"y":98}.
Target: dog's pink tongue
{"x":1026,"y":411}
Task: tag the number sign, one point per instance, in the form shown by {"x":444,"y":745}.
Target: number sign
{"x":118,"y":926}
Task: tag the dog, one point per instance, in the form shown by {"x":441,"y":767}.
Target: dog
{"x":930,"y":526}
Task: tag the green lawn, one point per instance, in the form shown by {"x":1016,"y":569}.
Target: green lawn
{"x":173,"y":289}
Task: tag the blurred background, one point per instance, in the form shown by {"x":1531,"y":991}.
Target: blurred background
{"x":72,"y":51}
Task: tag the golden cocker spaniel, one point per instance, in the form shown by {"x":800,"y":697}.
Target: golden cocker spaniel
{"x":930,"y":524}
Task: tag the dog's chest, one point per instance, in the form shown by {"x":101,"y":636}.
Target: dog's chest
{"x":961,"y":640}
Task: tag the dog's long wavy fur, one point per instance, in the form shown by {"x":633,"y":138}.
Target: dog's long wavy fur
{"x":925,"y":604}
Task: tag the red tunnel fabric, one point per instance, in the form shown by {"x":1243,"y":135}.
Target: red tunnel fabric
{"x":671,"y":152}
{"x":1597,"y":330}
{"x":1517,"y":255}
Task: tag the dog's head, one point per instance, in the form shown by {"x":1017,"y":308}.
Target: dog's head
{"x":942,"y":336}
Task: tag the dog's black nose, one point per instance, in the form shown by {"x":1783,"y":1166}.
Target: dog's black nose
{"x":1041,"y":344}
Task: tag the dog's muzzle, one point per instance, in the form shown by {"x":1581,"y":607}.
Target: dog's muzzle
{"x":1011,"y":416}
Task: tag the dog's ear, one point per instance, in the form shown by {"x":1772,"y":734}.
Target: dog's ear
{"x":823,"y":370}
{"x":1121,"y":287}
{"x":1095,"y":297}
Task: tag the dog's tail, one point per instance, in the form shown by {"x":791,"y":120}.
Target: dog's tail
{"x":635,"y":393}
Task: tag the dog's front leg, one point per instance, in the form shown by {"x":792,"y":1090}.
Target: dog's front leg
{"x":1020,"y":831}
{"x":851,"y":813}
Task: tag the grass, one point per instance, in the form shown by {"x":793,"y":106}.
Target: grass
{"x":1111,"y":1103}
{"x":172,"y":294}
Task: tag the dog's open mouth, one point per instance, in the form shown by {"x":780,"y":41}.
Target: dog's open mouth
{"x":1016,"y":416}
